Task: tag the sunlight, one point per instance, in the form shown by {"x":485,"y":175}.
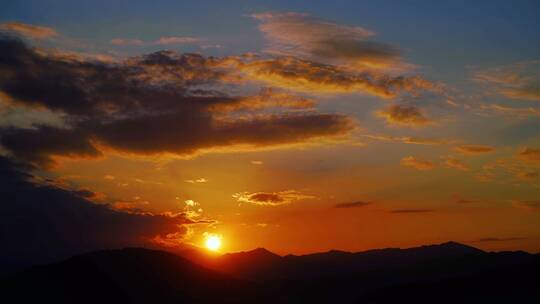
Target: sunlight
{"x":213,"y":242}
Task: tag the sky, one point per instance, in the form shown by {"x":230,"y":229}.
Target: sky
{"x":297,"y":126}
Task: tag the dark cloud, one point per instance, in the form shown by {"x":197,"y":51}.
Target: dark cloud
{"x":38,"y":145}
{"x":356,"y":204}
{"x":42,"y":222}
{"x":271,"y":198}
{"x":162,"y":102}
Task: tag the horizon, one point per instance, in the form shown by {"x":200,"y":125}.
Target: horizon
{"x":298,"y":127}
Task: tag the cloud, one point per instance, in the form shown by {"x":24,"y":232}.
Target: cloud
{"x":271,"y":198}
{"x":309,"y":76}
{"x":119,"y":41}
{"x":177,"y":40}
{"x":520,"y":113}
{"x":356,"y":204}
{"x":411,"y":211}
{"x":196,"y":181}
{"x":305,"y":36}
{"x":256,"y":162}
{"x":29,"y":30}
{"x":407,"y":139}
{"x":533,"y":206}
{"x":474,"y":149}
{"x":403,"y":115}
{"x":529,"y":154}
{"x":515,"y":81}
{"x":415,"y":163}
{"x":124,"y":106}
{"x":43,"y":222}
{"x":171,"y":40}
{"x":455,"y":163}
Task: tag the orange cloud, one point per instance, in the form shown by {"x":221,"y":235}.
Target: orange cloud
{"x":418,"y":164}
{"x":474,"y":149}
{"x":515,"y":81}
{"x":404,"y":115}
{"x":310,"y":76}
{"x":29,"y":30}
{"x":407,"y":139}
{"x":455,"y":163}
{"x":529,"y":154}
{"x":521,"y":113}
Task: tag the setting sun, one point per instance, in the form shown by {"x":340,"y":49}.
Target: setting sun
{"x":213,"y":242}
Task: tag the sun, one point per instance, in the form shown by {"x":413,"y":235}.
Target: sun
{"x":213,"y":242}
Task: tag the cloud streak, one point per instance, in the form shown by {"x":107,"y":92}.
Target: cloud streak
{"x":29,"y":30}
{"x":356,"y":204}
{"x":415,"y":163}
{"x":474,"y":149}
{"x":515,"y":81}
{"x":271,"y":198}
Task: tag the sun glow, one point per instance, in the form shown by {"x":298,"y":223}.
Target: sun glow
{"x":213,"y":242}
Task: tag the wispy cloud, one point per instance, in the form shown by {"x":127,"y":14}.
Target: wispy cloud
{"x":407,"y":139}
{"x":516,"y":81}
{"x":519,"y":113}
{"x":474,"y":149}
{"x":529,"y":154}
{"x":171,"y":40}
{"x":419,"y":164}
{"x":29,"y":30}
{"x":533,"y":206}
{"x":454,"y":163}
{"x":356,"y":204}
{"x":302,"y":35}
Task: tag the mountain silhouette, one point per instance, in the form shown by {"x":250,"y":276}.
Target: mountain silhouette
{"x":443,"y":273}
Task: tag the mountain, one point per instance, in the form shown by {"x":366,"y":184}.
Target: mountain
{"x":261,"y":264}
{"x":133,"y":275}
{"x":443,"y":273}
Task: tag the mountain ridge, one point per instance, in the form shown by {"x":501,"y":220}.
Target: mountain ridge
{"x":140,"y":275}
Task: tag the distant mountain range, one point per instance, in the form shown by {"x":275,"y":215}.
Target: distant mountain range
{"x":444,"y":273}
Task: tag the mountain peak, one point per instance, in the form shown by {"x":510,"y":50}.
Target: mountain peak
{"x":459,"y":246}
{"x":255,"y":253}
